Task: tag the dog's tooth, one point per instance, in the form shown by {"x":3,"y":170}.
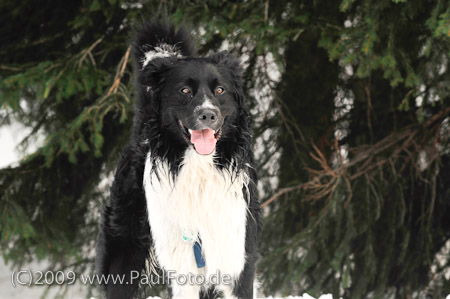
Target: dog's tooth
{"x":190,"y":131}
{"x":214,"y":131}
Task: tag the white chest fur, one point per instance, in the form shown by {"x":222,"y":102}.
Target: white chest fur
{"x":201,"y":200}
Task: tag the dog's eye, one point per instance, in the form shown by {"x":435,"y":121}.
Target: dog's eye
{"x":219,"y":90}
{"x":185,"y":90}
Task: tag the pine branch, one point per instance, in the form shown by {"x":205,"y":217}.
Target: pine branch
{"x":361,"y":156}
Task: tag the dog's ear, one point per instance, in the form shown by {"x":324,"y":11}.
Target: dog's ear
{"x":231,"y":68}
{"x":152,"y":76}
{"x":224,"y":60}
{"x":157,"y":46}
{"x":160,"y":40}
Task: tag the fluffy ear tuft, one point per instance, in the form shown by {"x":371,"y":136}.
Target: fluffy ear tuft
{"x":159,"y":40}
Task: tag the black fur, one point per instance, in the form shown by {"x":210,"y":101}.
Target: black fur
{"x":124,"y":238}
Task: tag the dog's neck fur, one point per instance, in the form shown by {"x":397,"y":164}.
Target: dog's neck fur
{"x":202,"y":200}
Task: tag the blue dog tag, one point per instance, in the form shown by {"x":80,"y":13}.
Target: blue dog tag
{"x":198,"y":254}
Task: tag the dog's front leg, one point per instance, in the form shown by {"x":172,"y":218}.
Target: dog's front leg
{"x":124,"y":238}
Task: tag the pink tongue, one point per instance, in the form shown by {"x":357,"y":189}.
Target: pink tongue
{"x":204,"y":141}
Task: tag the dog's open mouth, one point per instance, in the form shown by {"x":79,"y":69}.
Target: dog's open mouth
{"x":204,"y":141}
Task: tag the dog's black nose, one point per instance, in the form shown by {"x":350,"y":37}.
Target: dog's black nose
{"x":208,"y":117}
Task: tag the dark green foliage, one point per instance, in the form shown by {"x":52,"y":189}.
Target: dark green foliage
{"x":372,"y":224}
{"x":355,"y":130}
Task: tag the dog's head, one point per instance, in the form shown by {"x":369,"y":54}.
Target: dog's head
{"x":198,"y":99}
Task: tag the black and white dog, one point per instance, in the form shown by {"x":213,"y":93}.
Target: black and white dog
{"x":184,"y":194}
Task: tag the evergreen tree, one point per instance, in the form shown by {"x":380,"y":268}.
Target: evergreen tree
{"x":352,"y":138}
{"x":369,"y":217}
